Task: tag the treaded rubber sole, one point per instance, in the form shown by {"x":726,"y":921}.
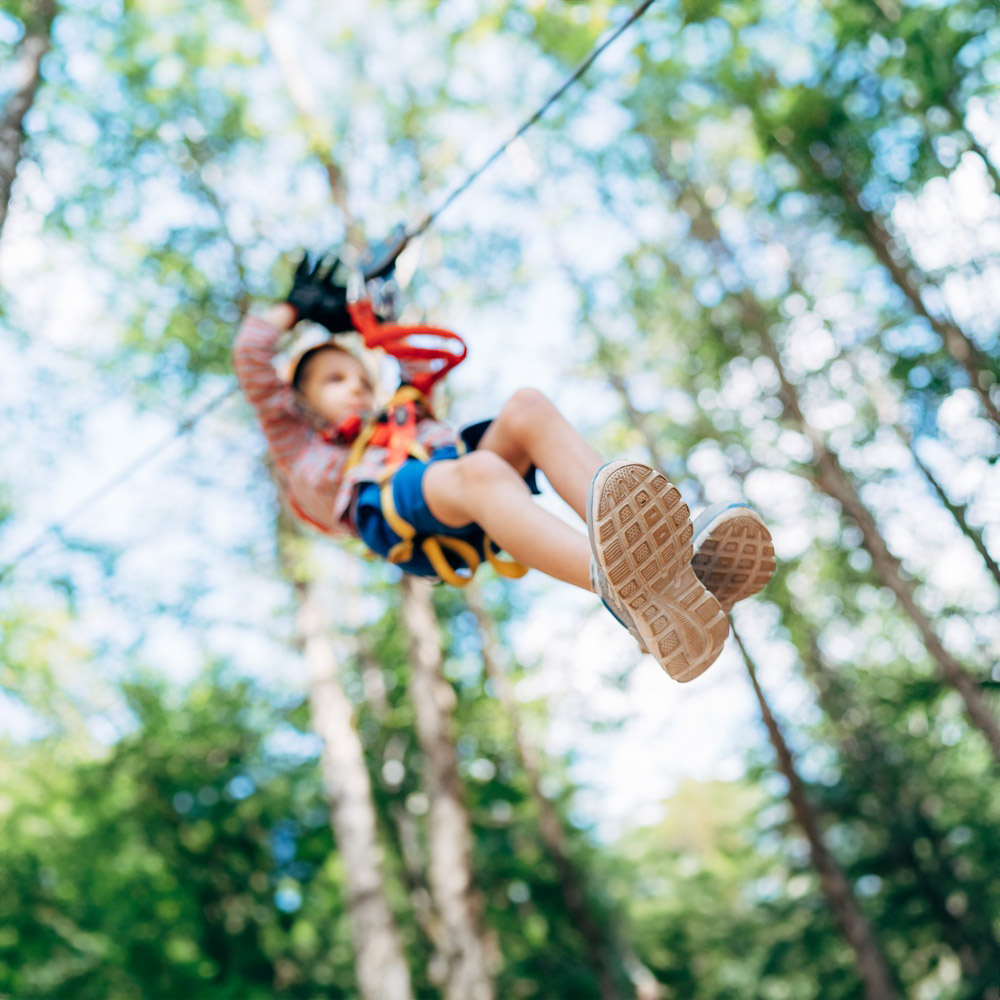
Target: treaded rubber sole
{"x":734,"y":558}
{"x":642,"y":536}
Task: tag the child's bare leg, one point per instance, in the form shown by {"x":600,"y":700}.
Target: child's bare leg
{"x":484,"y":488}
{"x":530,"y":431}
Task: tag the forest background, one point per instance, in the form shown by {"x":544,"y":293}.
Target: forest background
{"x":757,"y":246}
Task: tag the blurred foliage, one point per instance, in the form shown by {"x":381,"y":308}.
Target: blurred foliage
{"x":187,"y":859}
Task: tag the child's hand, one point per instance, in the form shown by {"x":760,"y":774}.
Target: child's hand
{"x":315,"y":296}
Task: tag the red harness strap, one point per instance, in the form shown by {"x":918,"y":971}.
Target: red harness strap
{"x":397,"y":433}
{"x":394,"y":340}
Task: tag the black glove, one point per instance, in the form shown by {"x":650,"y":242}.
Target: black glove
{"x":316,"y":296}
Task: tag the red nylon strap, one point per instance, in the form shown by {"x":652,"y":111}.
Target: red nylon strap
{"x":403,"y":430}
{"x":393,"y":339}
{"x":397,"y":433}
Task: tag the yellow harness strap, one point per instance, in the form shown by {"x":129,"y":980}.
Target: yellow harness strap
{"x":433,"y":545}
{"x":408,"y":394}
{"x":404,"y":394}
{"x":359,"y":445}
{"x":509,"y":568}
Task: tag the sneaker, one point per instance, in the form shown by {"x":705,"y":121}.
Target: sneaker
{"x":733,"y":552}
{"x":641,"y":535}
{"x":599,"y":582}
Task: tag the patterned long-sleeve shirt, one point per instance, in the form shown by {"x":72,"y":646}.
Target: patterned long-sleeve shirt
{"x":312,"y":470}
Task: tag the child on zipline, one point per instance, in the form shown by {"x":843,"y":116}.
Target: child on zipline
{"x":446,"y":497}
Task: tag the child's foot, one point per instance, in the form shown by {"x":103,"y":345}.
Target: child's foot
{"x":733,"y":552}
{"x":641,"y":534}
{"x":599,"y":581}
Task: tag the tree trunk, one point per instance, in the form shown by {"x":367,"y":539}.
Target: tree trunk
{"x":602,"y":950}
{"x":984,"y":156}
{"x":450,"y":875}
{"x":381,"y":968}
{"x":914,"y":284}
{"x":638,"y":419}
{"x":900,"y":808}
{"x":958,"y":118}
{"x":405,"y":825}
{"x":831,"y":477}
{"x":957,"y":511}
{"x":871,"y":964}
{"x":888,"y":412}
{"x":302,"y":95}
{"x":27,"y":77}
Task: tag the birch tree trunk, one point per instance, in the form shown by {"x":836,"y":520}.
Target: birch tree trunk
{"x":603,"y":951}
{"x":381,"y":968}
{"x":405,"y":826}
{"x":27,"y":77}
{"x":450,"y":871}
{"x":853,"y":924}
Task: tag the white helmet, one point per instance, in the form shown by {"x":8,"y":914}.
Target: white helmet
{"x":311,"y":336}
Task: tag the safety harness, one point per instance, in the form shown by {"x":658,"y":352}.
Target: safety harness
{"x":395,"y":430}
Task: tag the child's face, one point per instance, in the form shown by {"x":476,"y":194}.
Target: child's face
{"x":337,"y":385}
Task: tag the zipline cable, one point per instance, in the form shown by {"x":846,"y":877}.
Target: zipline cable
{"x":57,"y":527}
{"x":394,"y":250}
{"x":428,"y":220}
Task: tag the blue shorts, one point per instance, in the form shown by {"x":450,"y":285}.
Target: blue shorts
{"x":408,"y":495}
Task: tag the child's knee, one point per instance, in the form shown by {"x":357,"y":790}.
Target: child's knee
{"x":483,"y":468}
{"x":524,"y":411}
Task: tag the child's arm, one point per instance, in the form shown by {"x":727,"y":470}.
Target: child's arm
{"x":285,"y":427}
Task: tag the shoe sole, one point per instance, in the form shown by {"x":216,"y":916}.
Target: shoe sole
{"x":733,"y":553}
{"x":642,"y":536}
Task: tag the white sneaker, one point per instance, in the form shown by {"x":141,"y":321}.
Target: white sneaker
{"x":599,"y":581}
{"x":733,"y":552}
{"x":641,"y":535}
